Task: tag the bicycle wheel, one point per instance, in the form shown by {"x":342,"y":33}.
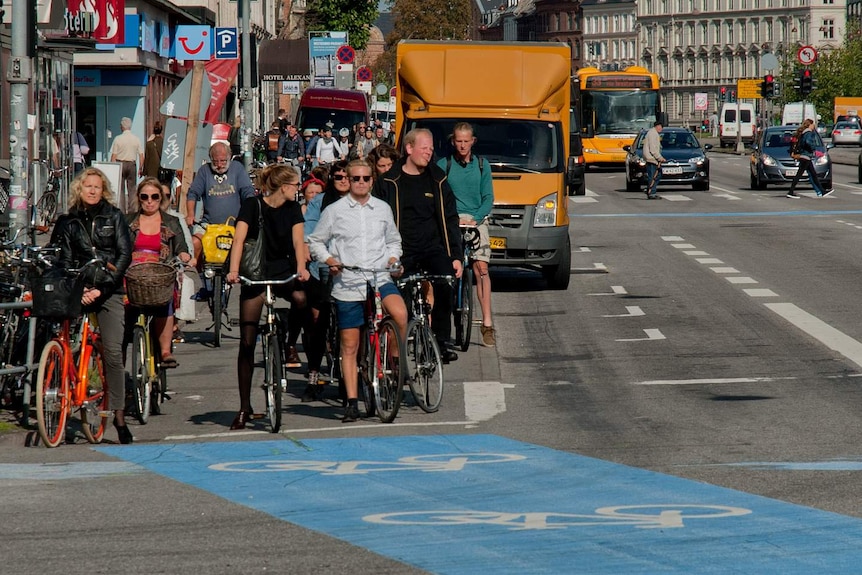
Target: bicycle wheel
{"x":46,"y":209}
{"x":363,"y":363}
{"x":218,"y":302}
{"x":140,"y":373}
{"x":94,"y":413}
{"x":424,"y":367}
{"x":390,"y":379}
{"x":464,"y":312}
{"x":52,"y":395}
{"x":272,"y":380}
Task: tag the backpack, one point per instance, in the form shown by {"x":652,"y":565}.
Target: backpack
{"x":272,"y":142}
{"x":795,"y":146}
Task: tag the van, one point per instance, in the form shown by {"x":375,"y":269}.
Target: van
{"x":728,"y":122}
{"x":794,"y":114}
{"x":340,"y":108}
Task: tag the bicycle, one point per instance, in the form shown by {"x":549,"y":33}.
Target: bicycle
{"x":216,"y":253}
{"x":425,"y":363}
{"x":64,"y":384}
{"x":380,"y":360}
{"x":274,"y":378}
{"x":44,"y":211}
{"x":463,"y":309}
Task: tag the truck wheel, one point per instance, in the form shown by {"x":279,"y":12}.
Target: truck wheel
{"x":558,"y":276}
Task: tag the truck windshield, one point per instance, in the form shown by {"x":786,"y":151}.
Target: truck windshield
{"x":529,"y":146}
{"x":619,"y":112}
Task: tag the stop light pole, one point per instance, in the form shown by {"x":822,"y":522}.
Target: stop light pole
{"x":19,"y":74}
{"x":244,"y":7}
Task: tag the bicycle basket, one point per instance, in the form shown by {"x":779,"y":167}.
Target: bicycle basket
{"x":150,"y":284}
{"x":56,"y":294}
{"x":217,"y":241}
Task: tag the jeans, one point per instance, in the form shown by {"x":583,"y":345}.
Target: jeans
{"x":653,"y":177}
{"x":806,"y":165}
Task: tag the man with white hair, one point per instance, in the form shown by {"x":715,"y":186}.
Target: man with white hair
{"x":127,"y":149}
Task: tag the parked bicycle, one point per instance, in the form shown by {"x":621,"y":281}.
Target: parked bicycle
{"x":424,"y":361}
{"x":463,"y":309}
{"x":71,"y":377}
{"x":379,"y":359}
{"x":274,"y":377}
{"x":44,"y":210}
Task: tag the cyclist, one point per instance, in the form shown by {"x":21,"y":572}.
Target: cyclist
{"x":220,"y":186}
{"x":383,"y":157}
{"x":285,"y":255}
{"x":470,"y":179}
{"x":95,"y":227}
{"x":157,"y":236}
{"x":358,"y":230}
{"x":427,"y":217}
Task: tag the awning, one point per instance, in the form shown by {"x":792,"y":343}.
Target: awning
{"x":282,"y":60}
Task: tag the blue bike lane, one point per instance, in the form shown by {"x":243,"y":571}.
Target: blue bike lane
{"x":460,"y":504}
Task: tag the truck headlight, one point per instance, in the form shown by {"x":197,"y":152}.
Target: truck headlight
{"x":590,"y":151}
{"x":546,"y":212}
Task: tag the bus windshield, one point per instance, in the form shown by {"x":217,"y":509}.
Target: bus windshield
{"x":316,"y":118}
{"x":618,"y":111}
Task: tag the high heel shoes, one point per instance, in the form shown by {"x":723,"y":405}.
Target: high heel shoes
{"x":123,"y":433}
{"x":240,"y":420}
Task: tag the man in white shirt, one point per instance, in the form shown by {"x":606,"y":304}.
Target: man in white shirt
{"x":358,"y":230}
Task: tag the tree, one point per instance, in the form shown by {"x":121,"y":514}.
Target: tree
{"x":353,"y":16}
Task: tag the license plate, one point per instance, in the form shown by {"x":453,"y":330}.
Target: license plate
{"x":672,"y":170}
{"x":790,"y":173}
{"x":498,"y":243}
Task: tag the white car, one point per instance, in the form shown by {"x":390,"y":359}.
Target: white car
{"x":847,"y":133}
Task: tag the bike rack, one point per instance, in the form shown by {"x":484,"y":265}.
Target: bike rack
{"x":31,"y":366}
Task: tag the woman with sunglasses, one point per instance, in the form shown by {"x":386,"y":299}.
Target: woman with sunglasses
{"x":284,"y":247}
{"x":157,"y":236}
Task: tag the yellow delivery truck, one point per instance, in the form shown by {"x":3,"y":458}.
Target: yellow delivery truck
{"x":517,"y":96}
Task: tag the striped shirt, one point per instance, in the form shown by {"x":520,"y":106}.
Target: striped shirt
{"x":362,"y":235}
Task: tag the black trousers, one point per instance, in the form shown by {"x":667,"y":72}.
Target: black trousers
{"x":435,"y":263}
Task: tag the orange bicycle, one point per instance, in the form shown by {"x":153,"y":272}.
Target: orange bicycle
{"x":71,"y":377}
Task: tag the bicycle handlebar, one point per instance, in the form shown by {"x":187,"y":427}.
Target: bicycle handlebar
{"x":393,"y":269}
{"x":250,"y":282}
{"x":420,"y":277}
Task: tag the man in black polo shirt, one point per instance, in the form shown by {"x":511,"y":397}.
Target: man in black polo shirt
{"x":427,"y":218}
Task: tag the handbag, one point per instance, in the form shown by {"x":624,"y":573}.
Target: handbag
{"x":217,"y":241}
{"x":186,"y":310}
{"x":253,"y":260}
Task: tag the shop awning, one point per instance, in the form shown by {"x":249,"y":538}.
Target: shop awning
{"x":282,"y":60}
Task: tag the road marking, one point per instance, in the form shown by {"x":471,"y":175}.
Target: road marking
{"x":760,"y":292}
{"x":676,"y":198}
{"x":725,"y":270}
{"x":708,"y":261}
{"x":711,"y":381}
{"x":615,"y":290}
{"x":582,"y":249}
{"x":672,"y":238}
{"x":633,"y":311}
{"x":742,"y":280}
{"x":598,"y":267}
{"x":582,"y":199}
{"x":652,"y":335}
{"x":695,"y":253}
{"x":484,"y":399}
{"x":820,"y":330}
{"x":283,"y":431}
{"x":726,"y":196}
{"x":684,"y":246}
{"x":63,"y":471}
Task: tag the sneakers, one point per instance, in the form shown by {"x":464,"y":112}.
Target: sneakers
{"x":312,"y":390}
{"x":489,"y":336}
{"x":655,"y":197}
{"x":178,"y":336}
{"x":827,"y":192}
{"x":793,"y":195}
{"x":351,"y":414}
{"x":448,"y":356}
{"x":292,"y":358}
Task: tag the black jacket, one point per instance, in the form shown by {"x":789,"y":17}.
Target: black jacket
{"x":445,"y":212}
{"x":100,"y":231}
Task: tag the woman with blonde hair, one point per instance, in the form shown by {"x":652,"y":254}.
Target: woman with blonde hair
{"x":95,"y":227}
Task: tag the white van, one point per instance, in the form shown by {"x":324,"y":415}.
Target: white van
{"x":727,"y":123}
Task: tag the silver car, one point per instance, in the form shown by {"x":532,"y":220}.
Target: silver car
{"x":847,"y":134}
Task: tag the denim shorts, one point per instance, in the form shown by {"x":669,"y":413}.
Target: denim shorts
{"x":351,"y":314}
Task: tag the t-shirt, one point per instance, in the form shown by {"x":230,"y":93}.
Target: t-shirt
{"x":278,"y":230}
{"x":418,"y":223}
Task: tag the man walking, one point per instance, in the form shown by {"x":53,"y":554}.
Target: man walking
{"x":427,"y":218}
{"x":654,"y":160}
{"x":713,"y":124}
{"x":469,"y":176}
{"x":127,"y":149}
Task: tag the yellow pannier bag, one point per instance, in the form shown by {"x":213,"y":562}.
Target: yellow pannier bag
{"x":217,"y":240}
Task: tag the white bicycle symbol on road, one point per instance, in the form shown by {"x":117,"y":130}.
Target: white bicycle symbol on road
{"x":663,"y":516}
{"x":424,"y":463}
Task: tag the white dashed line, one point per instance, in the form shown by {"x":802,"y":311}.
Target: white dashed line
{"x":760,"y":292}
{"x":742,"y":280}
{"x":725,"y":270}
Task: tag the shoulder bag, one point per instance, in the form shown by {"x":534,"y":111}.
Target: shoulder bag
{"x":253,"y":260}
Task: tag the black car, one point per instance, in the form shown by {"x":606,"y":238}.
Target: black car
{"x":686,"y":163}
{"x":771,"y":163}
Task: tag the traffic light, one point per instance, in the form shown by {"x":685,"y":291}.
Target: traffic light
{"x":722,"y":93}
{"x":806,"y":82}
{"x":767,"y":88}
{"x":732,"y":96}
{"x":776,"y":90}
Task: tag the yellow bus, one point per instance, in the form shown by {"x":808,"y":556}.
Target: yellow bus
{"x":614,"y":107}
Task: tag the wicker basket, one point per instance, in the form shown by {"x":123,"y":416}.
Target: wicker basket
{"x":150,"y":284}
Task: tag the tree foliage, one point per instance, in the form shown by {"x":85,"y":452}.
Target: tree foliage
{"x":423,"y":20}
{"x":353,"y":16}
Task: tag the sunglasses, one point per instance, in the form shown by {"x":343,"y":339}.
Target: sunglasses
{"x":338,"y":177}
{"x":154,"y":197}
{"x":360,"y":178}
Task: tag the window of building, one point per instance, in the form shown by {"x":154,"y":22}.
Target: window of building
{"x":755,"y":31}
{"x":729,"y":30}
{"x":742,"y":32}
{"x":828,"y":29}
{"x":604,"y":28}
{"x":570,"y":21}
{"x":829,"y":1}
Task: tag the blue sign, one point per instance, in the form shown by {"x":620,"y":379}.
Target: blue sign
{"x":193,"y":42}
{"x":226,"y":44}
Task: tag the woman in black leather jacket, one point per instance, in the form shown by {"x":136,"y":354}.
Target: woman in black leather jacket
{"x":94,"y":227}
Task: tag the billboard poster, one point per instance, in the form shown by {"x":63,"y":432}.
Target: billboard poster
{"x":322,"y":47}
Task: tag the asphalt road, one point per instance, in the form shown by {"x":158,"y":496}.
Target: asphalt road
{"x":691,"y":404}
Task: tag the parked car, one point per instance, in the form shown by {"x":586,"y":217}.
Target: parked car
{"x":687,"y":163}
{"x":771,"y":163}
{"x":847,"y":133}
